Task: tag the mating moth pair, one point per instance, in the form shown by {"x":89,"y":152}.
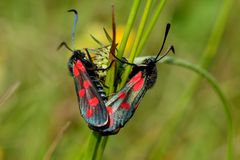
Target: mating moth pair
{"x":107,"y":115}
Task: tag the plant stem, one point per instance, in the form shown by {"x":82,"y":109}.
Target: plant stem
{"x":136,"y":42}
{"x":212,"y":81}
{"x":97,"y":143}
{"x":93,"y":146}
{"x":157,"y":153}
{"x":102,"y":145}
{"x":150,"y":26}
{"x":216,"y":35}
{"x":131,"y":19}
{"x":208,"y":56}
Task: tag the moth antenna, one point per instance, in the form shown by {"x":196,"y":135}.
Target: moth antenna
{"x":74,"y":25}
{"x":65,"y":45}
{"x":164,"y":40}
{"x":171,"y":48}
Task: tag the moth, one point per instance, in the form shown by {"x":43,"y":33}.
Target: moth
{"x":108,"y":115}
{"x":123,"y":104}
{"x":90,"y":92}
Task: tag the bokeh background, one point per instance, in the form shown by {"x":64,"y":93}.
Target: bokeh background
{"x":38,"y":96}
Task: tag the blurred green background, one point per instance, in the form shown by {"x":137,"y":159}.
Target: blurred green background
{"x":38,"y":97}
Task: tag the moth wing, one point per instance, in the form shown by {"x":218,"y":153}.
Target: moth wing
{"x":92,"y":107}
{"x":122,"y":106}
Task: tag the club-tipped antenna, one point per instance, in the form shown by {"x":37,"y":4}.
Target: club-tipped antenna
{"x":171,"y":48}
{"x":65,"y":45}
{"x":164,"y":40}
{"x":74,"y":25}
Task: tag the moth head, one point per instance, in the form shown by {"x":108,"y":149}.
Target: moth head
{"x":79,"y":54}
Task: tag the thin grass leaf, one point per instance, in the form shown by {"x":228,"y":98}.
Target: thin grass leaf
{"x":97,"y":41}
{"x":10,"y":91}
{"x":213,"y":82}
{"x":56,"y":141}
{"x":93,"y":146}
{"x":107,"y":35}
{"x":158,"y":151}
{"x":150,"y":26}
{"x":137,"y":40}
{"x":206,"y":60}
{"x":130,"y":22}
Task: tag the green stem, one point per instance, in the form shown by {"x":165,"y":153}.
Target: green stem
{"x":136,"y":42}
{"x":102,"y":145}
{"x":150,"y":26}
{"x":93,"y":145}
{"x":131,"y":19}
{"x":206,"y":60}
{"x":97,"y":143}
{"x":216,"y":35}
{"x":212,"y":81}
{"x":157,"y":153}
{"x":110,"y":80}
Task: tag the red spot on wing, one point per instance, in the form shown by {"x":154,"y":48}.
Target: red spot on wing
{"x":93,"y":101}
{"x":122,"y":95}
{"x":125,"y":105}
{"x":136,"y":78}
{"x":80,"y":66}
{"x":109,"y":110}
{"x":89,"y":113}
{"x":81,"y":93}
{"x":75,"y":70}
{"x":86,"y":84}
{"x":138,"y":85}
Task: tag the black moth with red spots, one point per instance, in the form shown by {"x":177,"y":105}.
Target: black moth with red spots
{"x":89,"y":91}
{"x":105,"y":118}
{"x":108,"y":116}
{"x":122,"y":105}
